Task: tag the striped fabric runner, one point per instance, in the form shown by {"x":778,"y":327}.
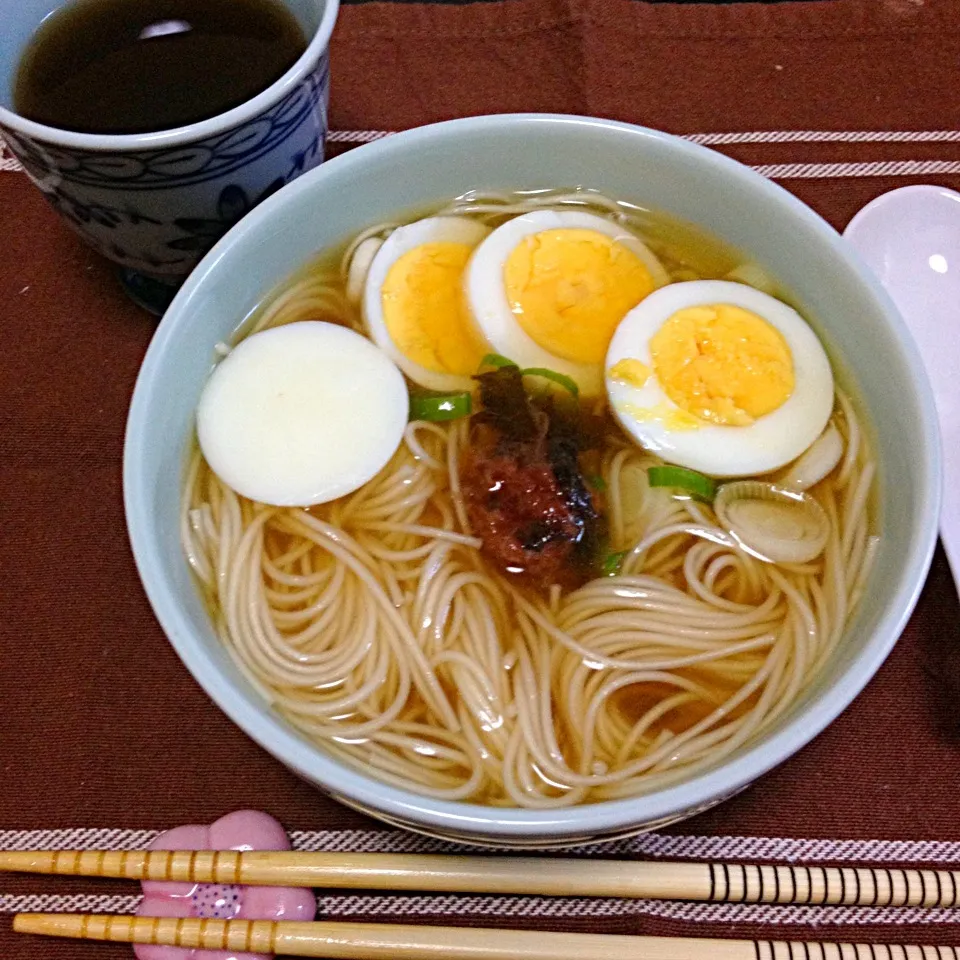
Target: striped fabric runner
{"x":385,"y":905}
{"x":776,"y":171}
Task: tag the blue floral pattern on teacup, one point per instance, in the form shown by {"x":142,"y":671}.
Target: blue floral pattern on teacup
{"x":159,"y":211}
{"x":233,"y":204}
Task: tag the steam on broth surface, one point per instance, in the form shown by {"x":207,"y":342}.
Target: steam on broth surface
{"x":540,"y":600}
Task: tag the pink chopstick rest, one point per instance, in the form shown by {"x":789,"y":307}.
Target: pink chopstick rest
{"x":242,"y":830}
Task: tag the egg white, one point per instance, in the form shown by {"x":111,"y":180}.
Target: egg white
{"x":722,"y":451}
{"x":487,"y":293}
{"x":400,"y":242}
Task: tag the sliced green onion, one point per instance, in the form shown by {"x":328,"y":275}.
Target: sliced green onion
{"x":496,"y":360}
{"x":597,"y":482}
{"x":568,"y":383}
{"x":612,"y":563}
{"x":437,"y":407}
{"x":697,"y":484}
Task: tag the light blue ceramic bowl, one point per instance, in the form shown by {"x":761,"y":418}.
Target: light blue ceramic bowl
{"x":414,"y":169}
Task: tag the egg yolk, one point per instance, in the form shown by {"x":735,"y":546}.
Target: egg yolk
{"x":569,"y":288}
{"x":674,"y":420}
{"x":722,"y":363}
{"x":425,"y":310}
{"x":633,"y":373}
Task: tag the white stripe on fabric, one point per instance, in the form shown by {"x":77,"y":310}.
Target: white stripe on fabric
{"x":70,"y":903}
{"x":357,"y":136}
{"x":76,"y":838}
{"x":778,"y":849}
{"x":891,"y":168}
{"x":572,"y":907}
{"x":775,"y":171}
{"x":679,"y":847}
{"x":384,"y":906}
{"x":826,"y":136}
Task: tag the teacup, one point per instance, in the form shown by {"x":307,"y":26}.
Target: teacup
{"x":154,"y":203}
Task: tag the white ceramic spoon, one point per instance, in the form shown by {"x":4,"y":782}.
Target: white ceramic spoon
{"x":911,"y":239}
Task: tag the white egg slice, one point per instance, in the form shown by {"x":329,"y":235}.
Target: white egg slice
{"x":584,"y":303}
{"x":414,"y":306}
{"x":659,"y":424}
{"x":302,"y":414}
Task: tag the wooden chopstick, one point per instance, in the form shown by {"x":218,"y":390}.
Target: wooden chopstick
{"x":545,"y":876}
{"x":356,"y":941}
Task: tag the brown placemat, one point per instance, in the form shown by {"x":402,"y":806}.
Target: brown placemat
{"x":104,"y":737}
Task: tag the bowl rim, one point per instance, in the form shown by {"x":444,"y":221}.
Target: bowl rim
{"x":255,"y":718}
{"x":190,"y":132}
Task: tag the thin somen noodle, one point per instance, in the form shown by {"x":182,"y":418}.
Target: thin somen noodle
{"x":377,"y":627}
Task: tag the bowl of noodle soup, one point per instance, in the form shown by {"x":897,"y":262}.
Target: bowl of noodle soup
{"x":427,"y":647}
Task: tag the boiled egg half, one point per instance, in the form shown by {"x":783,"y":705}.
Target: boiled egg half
{"x":719,"y":377}
{"x":301,"y":414}
{"x":548,"y":288}
{"x":414,"y":305}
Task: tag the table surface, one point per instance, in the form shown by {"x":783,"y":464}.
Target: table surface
{"x":105,"y":739}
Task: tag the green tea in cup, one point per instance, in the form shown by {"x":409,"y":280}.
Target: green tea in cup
{"x":133,"y":66}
